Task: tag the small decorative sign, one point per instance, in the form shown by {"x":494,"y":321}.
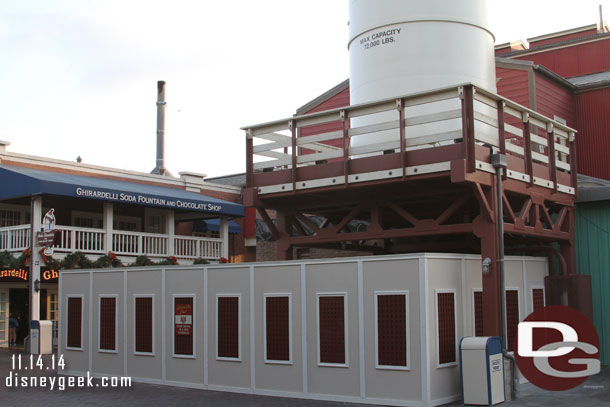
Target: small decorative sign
{"x":47,"y":236}
{"x":184,"y":319}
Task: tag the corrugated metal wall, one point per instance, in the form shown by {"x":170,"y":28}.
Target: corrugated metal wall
{"x":593,"y":139}
{"x":593,"y":256}
{"x":582,"y":59}
{"x":513,"y":84}
{"x":554,"y":99}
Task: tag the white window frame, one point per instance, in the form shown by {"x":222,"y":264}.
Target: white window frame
{"x":96,"y":217}
{"x":153,"y":212}
{"x":239,"y":327}
{"x":345,"y":324}
{"x":407,"y":331}
{"x":123,"y":218}
{"x":23,"y":212}
{"x":272,"y":361}
{"x":116,"y":323}
{"x":473,"y":309}
{"x":135,"y":297}
{"x":537,"y":287}
{"x":436,"y":293}
{"x":173,"y":319}
{"x":82,"y":315}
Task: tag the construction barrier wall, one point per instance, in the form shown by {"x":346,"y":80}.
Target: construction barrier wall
{"x":313,"y":365}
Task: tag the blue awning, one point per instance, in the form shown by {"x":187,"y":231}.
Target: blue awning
{"x":213,"y":225}
{"x":16,"y":182}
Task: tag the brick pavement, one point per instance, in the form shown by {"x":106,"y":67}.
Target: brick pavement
{"x":594,"y":392}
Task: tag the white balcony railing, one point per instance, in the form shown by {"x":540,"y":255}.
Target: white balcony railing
{"x":81,"y":239}
{"x":15,"y":238}
{"x":133,"y":244}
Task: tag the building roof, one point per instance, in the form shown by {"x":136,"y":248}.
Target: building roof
{"x":595,"y":79}
{"x":591,"y":189}
{"x":20,"y":181}
{"x":236,"y":180}
{"x":323,"y":97}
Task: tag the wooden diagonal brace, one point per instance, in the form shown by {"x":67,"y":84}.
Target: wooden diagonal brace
{"x":347,"y":219}
{"x":452,"y":209}
{"x":269,"y":223}
{"x":525,"y":209}
{"x":404,"y":214}
{"x":483,"y":203}
{"x":560,"y":219}
{"x":507,"y":208}
{"x":547,"y":216}
{"x":307,"y":222}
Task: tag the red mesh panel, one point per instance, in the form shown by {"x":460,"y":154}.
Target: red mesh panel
{"x":75,"y":312}
{"x":228,"y":327}
{"x":183,"y":337}
{"x":391,"y":330}
{"x":332,"y":329}
{"x":512,"y":317}
{"x":107,"y":323}
{"x":478,"y":313}
{"x":537,"y":298}
{"x":278,"y":326}
{"x":144,"y":324}
{"x":446,"y":327}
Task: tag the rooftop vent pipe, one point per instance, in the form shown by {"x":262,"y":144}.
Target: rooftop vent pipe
{"x":160,"y":168}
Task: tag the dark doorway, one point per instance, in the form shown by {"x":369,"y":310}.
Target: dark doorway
{"x":19,"y":307}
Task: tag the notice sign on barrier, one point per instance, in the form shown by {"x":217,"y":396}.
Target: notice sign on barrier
{"x":184,"y":319}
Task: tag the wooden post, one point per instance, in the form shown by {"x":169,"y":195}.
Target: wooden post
{"x":468,"y":128}
{"x":293,"y":131}
{"x":550,"y":139}
{"x":345,"y":122}
{"x":527,"y":148}
{"x":401,"y":128}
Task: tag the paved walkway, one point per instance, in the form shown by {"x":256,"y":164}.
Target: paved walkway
{"x":594,"y":392}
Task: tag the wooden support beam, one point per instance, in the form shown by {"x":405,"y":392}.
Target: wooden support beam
{"x":293,"y":130}
{"x":403,"y":213}
{"x":557,"y":226}
{"x":525,"y":209}
{"x":347,"y":219}
{"x":483,"y":203}
{"x":384,"y":234}
{"x":468,"y":142}
{"x":269,"y":223}
{"x":547,"y":216}
{"x":527,"y":144}
{"x":447,"y":213}
{"x":307,"y":222}
{"x":507,"y":208}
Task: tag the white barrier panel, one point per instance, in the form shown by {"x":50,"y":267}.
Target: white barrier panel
{"x":377,"y":330}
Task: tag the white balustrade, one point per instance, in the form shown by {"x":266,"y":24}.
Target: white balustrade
{"x":189,"y":247}
{"x":14,"y":238}
{"x":124,"y":243}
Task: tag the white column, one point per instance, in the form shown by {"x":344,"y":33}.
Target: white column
{"x":108,"y":225}
{"x":36,"y":219}
{"x":224,"y":235}
{"x":171,"y":232}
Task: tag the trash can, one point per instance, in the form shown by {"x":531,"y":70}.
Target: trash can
{"x":482,"y":370}
{"x":41,"y":337}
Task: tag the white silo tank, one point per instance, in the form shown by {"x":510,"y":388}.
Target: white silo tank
{"x":400,"y":47}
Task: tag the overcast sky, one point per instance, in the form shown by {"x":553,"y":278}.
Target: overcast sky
{"x":78,"y":77}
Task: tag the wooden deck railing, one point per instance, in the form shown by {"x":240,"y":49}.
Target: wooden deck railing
{"x":428,"y":131}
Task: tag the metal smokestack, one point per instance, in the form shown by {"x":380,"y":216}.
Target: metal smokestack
{"x":160,"y":168}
